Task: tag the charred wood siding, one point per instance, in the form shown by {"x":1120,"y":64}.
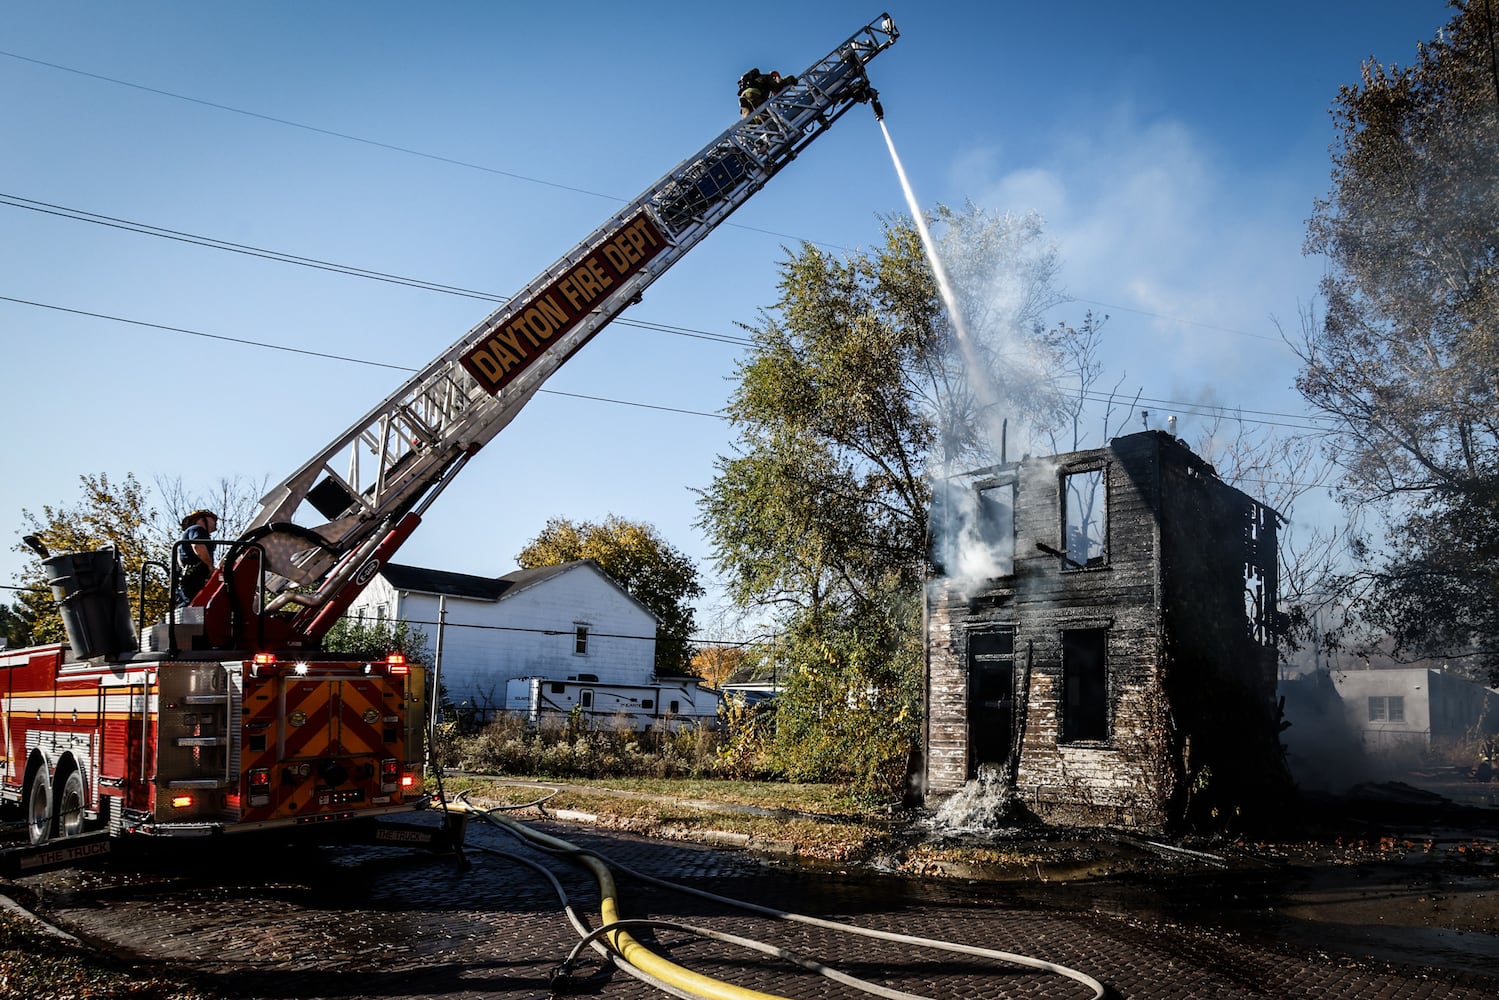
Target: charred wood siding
{"x":1163,"y":601}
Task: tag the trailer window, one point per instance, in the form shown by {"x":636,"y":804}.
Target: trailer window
{"x":586,"y":699}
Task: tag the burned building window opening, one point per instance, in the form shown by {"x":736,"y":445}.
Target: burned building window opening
{"x":996,"y":524}
{"x":1260,"y":573}
{"x":991,"y":696}
{"x":1084,"y":518}
{"x":1387,"y":708}
{"x":1085,"y":688}
{"x":972,"y":527}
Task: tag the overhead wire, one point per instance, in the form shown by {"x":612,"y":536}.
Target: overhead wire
{"x":333,"y":133}
{"x":1291,"y":421}
{"x":392,"y":147}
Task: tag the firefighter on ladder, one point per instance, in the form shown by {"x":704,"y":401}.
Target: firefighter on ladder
{"x":755,"y":88}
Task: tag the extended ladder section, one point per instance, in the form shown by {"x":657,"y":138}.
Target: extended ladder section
{"x":394,"y":461}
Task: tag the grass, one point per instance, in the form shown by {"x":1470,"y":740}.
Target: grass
{"x":812,"y":821}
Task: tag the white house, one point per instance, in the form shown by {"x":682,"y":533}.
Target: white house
{"x":1415,"y":707}
{"x":540,"y":642}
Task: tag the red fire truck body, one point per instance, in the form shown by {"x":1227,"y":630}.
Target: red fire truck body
{"x":199,"y":746}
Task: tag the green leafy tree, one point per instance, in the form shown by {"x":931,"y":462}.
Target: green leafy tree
{"x":657,"y":575}
{"x":14,"y":629}
{"x":374,"y":640}
{"x":110,"y":513}
{"x":859,"y":387}
{"x":1406,"y":356}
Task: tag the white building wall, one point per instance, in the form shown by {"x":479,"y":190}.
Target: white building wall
{"x":531,"y":632}
{"x":1412,"y":685}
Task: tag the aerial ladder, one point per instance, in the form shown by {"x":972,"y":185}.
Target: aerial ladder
{"x":228,"y":716}
{"x":325,"y":530}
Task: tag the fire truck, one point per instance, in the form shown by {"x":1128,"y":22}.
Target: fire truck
{"x":227,"y":716}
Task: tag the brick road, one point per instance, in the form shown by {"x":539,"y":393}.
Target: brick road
{"x":379,"y":922}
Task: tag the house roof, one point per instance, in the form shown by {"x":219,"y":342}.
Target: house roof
{"x":415,"y":579}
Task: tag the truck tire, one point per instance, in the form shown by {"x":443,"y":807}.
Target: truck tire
{"x":70,"y":816}
{"x":39,"y":807}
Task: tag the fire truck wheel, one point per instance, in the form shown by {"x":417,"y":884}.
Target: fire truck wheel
{"x":39,"y":808}
{"x":70,"y":820}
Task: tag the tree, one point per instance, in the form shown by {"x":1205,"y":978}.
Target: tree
{"x":118,"y":514}
{"x":110,"y":514}
{"x":640,"y":560}
{"x":716,"y":664}
{"x":15,"y":630}
{"x":1406,"y":360}
{"x":859,"y":388}
{"x":374,"y":640}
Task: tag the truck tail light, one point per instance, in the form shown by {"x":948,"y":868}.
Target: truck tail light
{"x":260,"y":786}
{"x":395,"y":665}
{"x":390,"y":774}
{"x":182,"y":801}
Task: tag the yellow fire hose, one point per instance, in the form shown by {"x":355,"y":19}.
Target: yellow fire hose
{"x":684,"y":982}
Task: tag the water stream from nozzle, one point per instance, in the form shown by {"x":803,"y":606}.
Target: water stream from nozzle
{"x":939,"y":272}
{"x":944,"y":286}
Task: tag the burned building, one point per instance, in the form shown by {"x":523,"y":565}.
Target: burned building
{"x":1100,"y":636}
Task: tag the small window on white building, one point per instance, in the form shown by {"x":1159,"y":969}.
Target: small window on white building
{"x":580,"y":640}
{"x":1387,"y":708}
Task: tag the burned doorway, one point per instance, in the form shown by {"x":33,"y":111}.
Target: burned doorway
{"x":991,"y":696}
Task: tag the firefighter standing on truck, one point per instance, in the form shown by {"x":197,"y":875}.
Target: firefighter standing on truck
{"x":197,"y":558}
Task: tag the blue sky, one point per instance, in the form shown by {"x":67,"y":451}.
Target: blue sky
{"x":1174,"y":150}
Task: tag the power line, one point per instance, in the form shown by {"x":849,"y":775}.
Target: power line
{"x":392,"y":147}
{"x":331,"y":357}
{"x":527,"y":178}
{"x":16,"y":201}
{"x":1195,"y":409}
{"x":213,"y":243}
{"x":1179,"y":319}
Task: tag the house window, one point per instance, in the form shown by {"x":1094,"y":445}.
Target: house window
{"x":1083,"y":518}
{"x":1085,"y":688}
{"x":996,"y":524}
{"x":1387,"y":708}
{"x":580,"y":640}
